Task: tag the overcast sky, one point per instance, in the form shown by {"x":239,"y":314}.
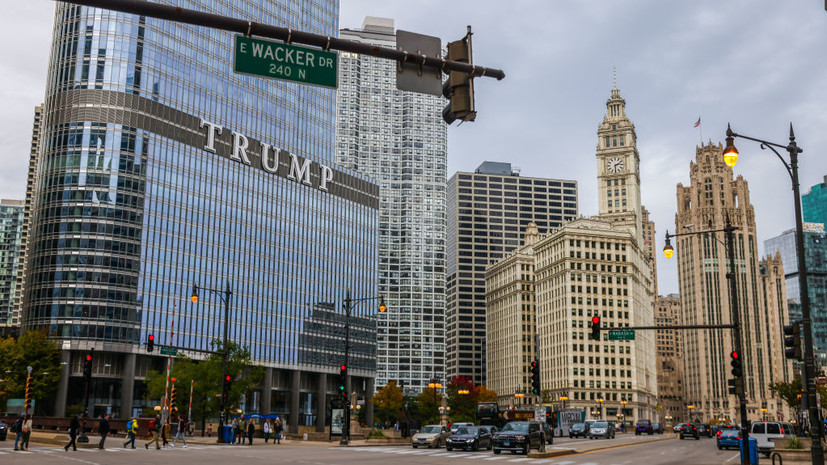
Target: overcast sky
{"x":758,"y":64}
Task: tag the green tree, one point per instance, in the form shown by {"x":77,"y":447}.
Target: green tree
{"x":33,"y":349}
{"x":462,"y":398}
{"x":791,"y":392}
{"x":427,"y":405}
{"x":388,"y":403}
{"x":207,"y":383}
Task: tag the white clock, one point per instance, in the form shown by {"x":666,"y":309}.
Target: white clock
{"x":614,"y":165}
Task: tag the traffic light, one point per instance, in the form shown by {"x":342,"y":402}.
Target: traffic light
{"x":150,"y":343}
{"x":459,"y":87}
{"x":194,"y":295}
{"x":228,"y":383}
{"x":173,"y":400}
{"x":737,"y":370}
{"x":596,"y":328}
{"x":87,"y":368}
{"x":535,"y":376}
{"x":736,"y":386}
{"x":792,"y":341}
{"x":28,"y":396}
{"x":343,"y":380}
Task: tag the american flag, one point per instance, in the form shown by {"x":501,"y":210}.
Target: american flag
{"x":698,"y":123}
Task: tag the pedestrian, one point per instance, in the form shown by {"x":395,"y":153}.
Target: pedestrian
{"x":277,"y":431}
{"x":27,"y":431}
{"x":165,"y":432}
{"x":209,"y":430}
{"x":74,"y":425}
{"x":251,"y":428}
{"x":267,"y":430}
{"x":103,"y":429}
{"x":234,"y":430}
{"x":17,"y":429}
{"x":181,"y":432}
{"x":131,"y":432}
{"x":155,"y":431}
{"x":242,"y":428}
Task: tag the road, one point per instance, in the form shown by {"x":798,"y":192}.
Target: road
{"x":616,"y":452}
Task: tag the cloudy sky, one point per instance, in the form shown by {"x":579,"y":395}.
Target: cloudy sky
{"x":758,"y":64}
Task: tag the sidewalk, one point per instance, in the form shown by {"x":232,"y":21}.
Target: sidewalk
{"x":589,"y":445}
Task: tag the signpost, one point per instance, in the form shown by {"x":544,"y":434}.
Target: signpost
{"x":621,"y":334}
{"x":267,"y":58}
{"x":169,"y":351}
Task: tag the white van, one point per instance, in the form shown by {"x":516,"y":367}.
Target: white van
{"x":766,"y":432}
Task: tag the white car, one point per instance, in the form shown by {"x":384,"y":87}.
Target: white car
{"x":431,"y":436}
{"x":766,"y":432}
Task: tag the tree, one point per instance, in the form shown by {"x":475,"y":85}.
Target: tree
{"x":463,"y":406}
{"x":207,"y":382}
{"x":388,"y":403}
{"x":792,"y":392}
{"x":486,"y":395}
{"x":33,"y":349}
{"x":427,"y":404}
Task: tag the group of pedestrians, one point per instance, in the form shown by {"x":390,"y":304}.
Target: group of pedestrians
{"x":275,"y":429}
{"x":23,"y":430}
{"x":243,"y":430}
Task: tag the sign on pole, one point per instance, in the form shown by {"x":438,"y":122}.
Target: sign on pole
{"x":622,"y":335}
{"x":169,"y":351}
{"x":267,"y":58}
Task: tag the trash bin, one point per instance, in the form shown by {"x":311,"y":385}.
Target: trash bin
{"x":753,"y":451}
{"x":227,"y":434}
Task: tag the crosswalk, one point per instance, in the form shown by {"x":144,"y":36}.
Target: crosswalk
{"x":110,"y":450}
{"x":484,"y":456}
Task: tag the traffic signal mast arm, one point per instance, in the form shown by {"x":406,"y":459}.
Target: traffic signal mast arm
{"x":250,"y":28}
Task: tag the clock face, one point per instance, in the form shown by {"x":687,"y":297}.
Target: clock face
{"x":614,"y":165}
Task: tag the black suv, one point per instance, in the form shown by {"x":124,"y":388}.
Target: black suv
{"x":688,"y":429}
{"x":579,"y":430}
{"x":657,"y":428}
{"x":519,"y":436}
{"x":704,"y":430}
{"x":643,"y":427}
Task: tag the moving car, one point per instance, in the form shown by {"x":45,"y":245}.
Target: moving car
{"x":519,"y":436}
{"x":766,"y":432}
{"x":657,"y":428}
{"x":469,"y":437}
{"x":579,"y":430}
{"x":431,"y":436}
{"x":4,"y":430}
{"x":601,"y":429}
{"x":704,"y":429}
{"x":643,"y":427}
{"x":728,"y":436}
{"x":688,"y":429}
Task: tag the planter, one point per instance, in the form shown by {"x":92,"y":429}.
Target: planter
{"x":793,"y":456}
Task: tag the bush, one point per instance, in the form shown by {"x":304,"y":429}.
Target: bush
{"x":794,"y":443}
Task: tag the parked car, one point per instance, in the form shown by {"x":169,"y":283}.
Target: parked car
{"x":548,"y":433}
{"x":469,"y":437}
{"x":657,"y":428}
{"x":579,"y":430}
{"x":4,"y":430}
{"x":519,"y":436}
{"x":431,"y":436}
{"x":688,"y":429}
{"x":643,"y":427}
{"x":766,"y":432}
{"x":727,"y":437}
{"x":601,"y":429}
{"x":456,"y":426}
{"x":704,"y":430}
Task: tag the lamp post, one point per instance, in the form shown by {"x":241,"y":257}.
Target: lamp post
{"x":348,"y":307}
{"x":740,"y":392}
{"x":225,"y":297}
{"x":807,"y":379}
{"x":435,"y":384}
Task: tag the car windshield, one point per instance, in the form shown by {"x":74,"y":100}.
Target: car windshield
{"x":520,"y":427}
{"x":579,"y":425}
{"x":600,"y":424}
{"x":467,"y":430}
{"x":430,"y":429}
{"x":729,"y":431}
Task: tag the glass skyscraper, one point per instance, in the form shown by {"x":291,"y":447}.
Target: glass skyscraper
{"x":160,"y":169}
{"x":814,"y":204}
{"x":11,"y":232}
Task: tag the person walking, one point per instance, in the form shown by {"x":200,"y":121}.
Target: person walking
{"x":131,"y":432}
{"x":277,"y":431}
{"x":165,"y":432}
{"x":17,"y":429}
{"x":181,"y":433}
{"x":251,"y":428}
{"x":155,"y":430}
{"x":74,"y":425}
{"x":103,"y":429}
{"x":266,"y":429}
{"x":209,"y":430}
{"x":27,"y":431}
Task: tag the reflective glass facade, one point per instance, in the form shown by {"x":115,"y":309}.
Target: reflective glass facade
{"x":814,"y":204}
{"x":11,"y":232}
{"x":133,"y":203}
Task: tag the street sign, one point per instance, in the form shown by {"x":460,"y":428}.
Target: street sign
{"x":539,"y":413}
{"x":169,"y":351}
{"x":266,"y":58}
{"x":621,"y":334}
{"x":821,"y":380}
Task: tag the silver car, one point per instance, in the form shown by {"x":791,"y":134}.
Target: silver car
{"x":601,"y":429}
{"x":431,"y":436}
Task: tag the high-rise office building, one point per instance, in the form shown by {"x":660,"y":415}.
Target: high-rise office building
{"x":11,"y":233}
{"x":398,"y":139}
{"x":648,"y":226}
{"x":487,"y":210}
{"x":815,"y":252}
{"x":669,"y":347}
{"x":710,"y":199}
{"x":160,"y":169}
{"x":814,"y":204}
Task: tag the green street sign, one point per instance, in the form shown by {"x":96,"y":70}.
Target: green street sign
{"x":266,"y":58}
{"x":169,"y":351}
{"x":622,"y":335}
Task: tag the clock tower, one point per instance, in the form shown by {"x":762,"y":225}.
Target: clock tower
{"x":618,"y":168}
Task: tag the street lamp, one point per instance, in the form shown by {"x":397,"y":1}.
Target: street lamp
{"x":689,"y":420}
{"x":225,"y":297}
{"x":731,"y":154}
{"x":435,"y":384}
